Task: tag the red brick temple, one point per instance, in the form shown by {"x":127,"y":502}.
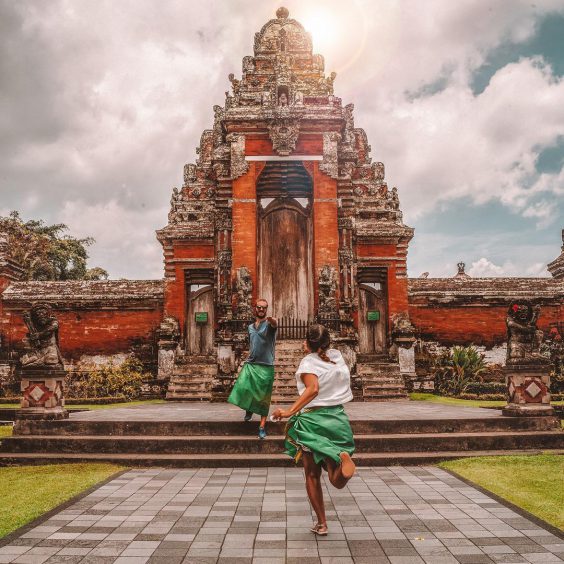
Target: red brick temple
{"x":284,"y":203}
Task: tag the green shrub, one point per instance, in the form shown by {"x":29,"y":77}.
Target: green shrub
{"x":455,"y":369}
{"x":122,"y":381}
{"x":481,"y":388}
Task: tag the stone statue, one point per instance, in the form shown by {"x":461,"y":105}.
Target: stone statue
{"x":523,"y":337}
{"x":43,"y":336}
{"x":283,"y":99}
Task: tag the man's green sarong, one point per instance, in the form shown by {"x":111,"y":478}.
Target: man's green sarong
{"x":253,"y":389}
{"x":325,"y":431}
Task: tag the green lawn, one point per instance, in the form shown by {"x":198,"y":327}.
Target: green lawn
{"x":418,"y":396}
{"x":96,"y":406}
{"x":534,"y":483}
{"x":29,"y":491}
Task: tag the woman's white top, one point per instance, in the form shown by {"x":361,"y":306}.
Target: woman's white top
{"x":334,"y":379}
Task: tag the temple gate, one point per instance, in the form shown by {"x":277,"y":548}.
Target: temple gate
{"x":284,"y":203}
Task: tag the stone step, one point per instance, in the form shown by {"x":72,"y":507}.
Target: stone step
{"x":245,"y":461}
{"x":241,"y":444}
{"x":196,"y":370}
{"x":131,"y":427}
{"x":188,"y":396}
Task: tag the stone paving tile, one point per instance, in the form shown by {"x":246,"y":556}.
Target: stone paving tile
{"x":389,"y":515}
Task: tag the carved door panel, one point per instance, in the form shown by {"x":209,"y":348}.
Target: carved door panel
{"x":200,"y":332}
{"x":285,"y":279}
{"x":372,"y":334}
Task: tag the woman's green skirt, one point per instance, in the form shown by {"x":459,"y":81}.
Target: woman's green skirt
{"x":325,"y":431}
{"x":253,"y":389}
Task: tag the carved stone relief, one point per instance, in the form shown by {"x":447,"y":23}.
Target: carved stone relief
{"x":284,"y":135}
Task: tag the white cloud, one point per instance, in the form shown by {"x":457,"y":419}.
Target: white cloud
{"x":126,"y":245}
{"x":484,"y":268}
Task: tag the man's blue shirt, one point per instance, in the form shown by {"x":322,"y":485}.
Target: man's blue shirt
{"x":262,"y":342}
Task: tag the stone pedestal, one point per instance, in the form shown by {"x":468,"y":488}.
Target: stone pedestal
{"x":528,"y":390}
{"x":42,"y":394}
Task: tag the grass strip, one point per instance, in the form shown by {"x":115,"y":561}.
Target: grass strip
{"x":534,"y":483}
{"x":420,"y":396}
{"x":30,"y":491}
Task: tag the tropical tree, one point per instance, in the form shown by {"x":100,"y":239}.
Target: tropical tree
{"x":46,"y":252}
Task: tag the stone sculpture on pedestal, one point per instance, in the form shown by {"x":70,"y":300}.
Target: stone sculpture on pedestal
{"x":41,"y":369}
{"x":527,"y":371}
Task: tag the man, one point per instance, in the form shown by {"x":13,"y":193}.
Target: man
{"x":253,"y":389}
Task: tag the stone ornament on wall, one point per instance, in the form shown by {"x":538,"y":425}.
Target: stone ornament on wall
{"x":244,"y":291}
{"x":527,"y":371}
{"x":168,"y":334}
{"x":284,"y":135}
{"x":327,"y":292}
{"x":330,"y":163}
{"x":239,"y":165}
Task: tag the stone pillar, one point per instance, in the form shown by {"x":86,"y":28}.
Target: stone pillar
{"x":528,"y":390}
{"x":169,"y":335}
{"x":42,"y":394}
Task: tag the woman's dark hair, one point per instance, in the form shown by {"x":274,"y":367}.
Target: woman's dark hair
{"x":318,"y":340}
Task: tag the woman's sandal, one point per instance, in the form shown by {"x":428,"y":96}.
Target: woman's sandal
{"x":348,"y":467}
{"x":320,"y":529}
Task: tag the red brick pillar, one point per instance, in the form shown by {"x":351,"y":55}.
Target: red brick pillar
{"x":325,"y":226}
{"x":244,"y":213}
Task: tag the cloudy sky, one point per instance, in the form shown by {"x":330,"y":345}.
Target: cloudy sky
{"x":102,"y":103}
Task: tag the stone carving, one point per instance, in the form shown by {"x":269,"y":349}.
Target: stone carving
{"x":330,"y":163}
{"x":283,"y":99}
{"x":394,"y":199}
{"x":244,"y":291}
{"x":42,"y":372}
{"x":527,"y":371}
{"x":168,"y":334}
{"x":403,"y":332}
{"x":217,"y":127}
{"x":327,"y":292}
{"x":43,"y":338}
{"x":239,"y":165}
{"x":523,"y":338}
{"x":235,"y":84}
{"x":189,"y":173}
{"x":284,"y":135}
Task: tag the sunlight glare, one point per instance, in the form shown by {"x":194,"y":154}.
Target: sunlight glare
{"x":324,"y":28}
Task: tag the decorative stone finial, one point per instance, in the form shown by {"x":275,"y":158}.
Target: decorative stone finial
{"x":282,"y":13}
{"x":461,"y":273}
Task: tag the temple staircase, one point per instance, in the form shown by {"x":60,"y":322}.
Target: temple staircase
{"x":288,"y":356}
{"x":192,"y":378}
{"x":381,"y":378}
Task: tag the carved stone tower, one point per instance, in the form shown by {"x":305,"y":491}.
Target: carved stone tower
{"x":284,"y":203}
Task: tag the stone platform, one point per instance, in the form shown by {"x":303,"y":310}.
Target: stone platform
{"x":394,"y":515}
{"x":214,"y":435}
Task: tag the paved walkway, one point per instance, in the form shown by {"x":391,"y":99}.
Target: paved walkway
{"x":199,"y":411}
{"x":394,"y":515}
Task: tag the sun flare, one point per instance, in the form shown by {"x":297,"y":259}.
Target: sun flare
{"x":324,"y":29}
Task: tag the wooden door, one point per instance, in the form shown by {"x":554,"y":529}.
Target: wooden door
{"x":285,"y":279}
{"x":372,"y":334}
{"x":200,"y":335}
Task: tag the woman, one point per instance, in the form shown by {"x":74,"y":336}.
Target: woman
{"x":319,"y":430}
